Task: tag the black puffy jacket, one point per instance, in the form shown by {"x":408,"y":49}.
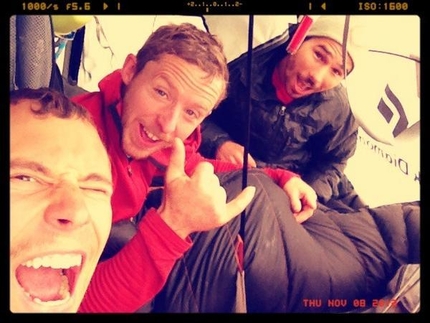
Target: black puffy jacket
{"x":312,"y":136}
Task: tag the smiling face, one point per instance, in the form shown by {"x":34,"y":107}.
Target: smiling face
{"x":60,"y":211}
{"x":168,"y":98}
{"x":315,"y":67}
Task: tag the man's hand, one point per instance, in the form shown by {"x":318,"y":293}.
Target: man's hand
{"x":233,"y":153}
{"x":303,"y":198}
{"x":197,"y":202}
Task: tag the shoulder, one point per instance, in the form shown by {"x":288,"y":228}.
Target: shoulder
{"x":336,"y":95}
{"x":331,"y":106}
{"x":92,"y":101}
{"x":336,"y":100}
{"x":86,"y":99}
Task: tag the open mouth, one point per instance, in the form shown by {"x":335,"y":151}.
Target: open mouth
{"x":147,"y":134}
{"x":50,"y":280}
{"x":301,"y":86}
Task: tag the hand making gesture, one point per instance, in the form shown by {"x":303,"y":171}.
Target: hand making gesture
{"x":197,"y":202}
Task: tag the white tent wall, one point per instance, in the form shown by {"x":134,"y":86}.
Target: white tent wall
{"x":385,"y":168}
{"x":109,"y":38}
{"x":385,"y":97}
{"x":233,"y":30}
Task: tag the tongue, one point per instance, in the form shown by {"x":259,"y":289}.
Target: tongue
{"x":44,"y":283}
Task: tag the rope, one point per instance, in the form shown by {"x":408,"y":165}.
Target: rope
{"x":248,"y":118}
{"x":344,"y":44}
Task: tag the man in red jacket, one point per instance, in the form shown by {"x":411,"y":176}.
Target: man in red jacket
{"x":149,"y":114}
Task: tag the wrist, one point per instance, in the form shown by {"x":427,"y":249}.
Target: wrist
{"x":169,"y":220}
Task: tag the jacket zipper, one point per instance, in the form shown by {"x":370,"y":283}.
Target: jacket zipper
{"x":278,"y":124}
{"x":129,"y":170}
{"x":282,"y":110}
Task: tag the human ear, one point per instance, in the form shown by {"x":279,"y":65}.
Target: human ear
{"x":128,"y":69}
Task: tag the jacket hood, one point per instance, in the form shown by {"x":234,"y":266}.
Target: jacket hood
{"x":110,"y":89}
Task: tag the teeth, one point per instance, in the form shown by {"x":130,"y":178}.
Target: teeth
{"x":55,"y":261}
{"x":64,"y":289}
{"x":151,"y":135}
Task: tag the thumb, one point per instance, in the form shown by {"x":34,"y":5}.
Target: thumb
{"x":177,"y":161}
{"x":251,"y":161}
{"x":296,"y":204}
{"x":240,"y":202}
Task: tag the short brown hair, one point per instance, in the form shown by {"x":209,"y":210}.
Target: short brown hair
{"x":51,"y":102}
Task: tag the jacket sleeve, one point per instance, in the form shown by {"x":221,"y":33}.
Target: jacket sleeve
{"x":334,"y":147}
{"x":278,"y":175}
{"x":213,"y":137}
{"x":137,"y":273}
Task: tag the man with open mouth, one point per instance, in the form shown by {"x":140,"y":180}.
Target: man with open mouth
{"x":60,"y":192}
{"x":301,"y":116}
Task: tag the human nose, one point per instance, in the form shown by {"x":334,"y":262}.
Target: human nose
{"x":67,"y":210}
{"x":169,"y":120}
{"x":318,"y":76}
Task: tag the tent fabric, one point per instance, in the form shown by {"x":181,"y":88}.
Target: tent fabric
{"x":32,"y":56}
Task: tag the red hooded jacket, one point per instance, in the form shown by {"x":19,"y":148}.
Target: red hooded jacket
{"x":137,"y":273}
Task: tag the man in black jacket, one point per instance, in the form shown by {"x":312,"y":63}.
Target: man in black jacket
{"x":301,"y":119}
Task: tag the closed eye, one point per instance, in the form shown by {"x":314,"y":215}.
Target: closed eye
{"x":96,"y":191}
{"x":96,"y":183}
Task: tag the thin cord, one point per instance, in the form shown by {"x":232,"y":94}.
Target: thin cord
{"x":345,"y":44}
{"x":412,"y":58}
{"x":248,"y":119}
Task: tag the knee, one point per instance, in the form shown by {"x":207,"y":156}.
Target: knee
{"x":268,"y":191}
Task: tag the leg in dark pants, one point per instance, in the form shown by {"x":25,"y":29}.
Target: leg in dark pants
{"x":286,"y":264}
{"x":205,"y":279}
